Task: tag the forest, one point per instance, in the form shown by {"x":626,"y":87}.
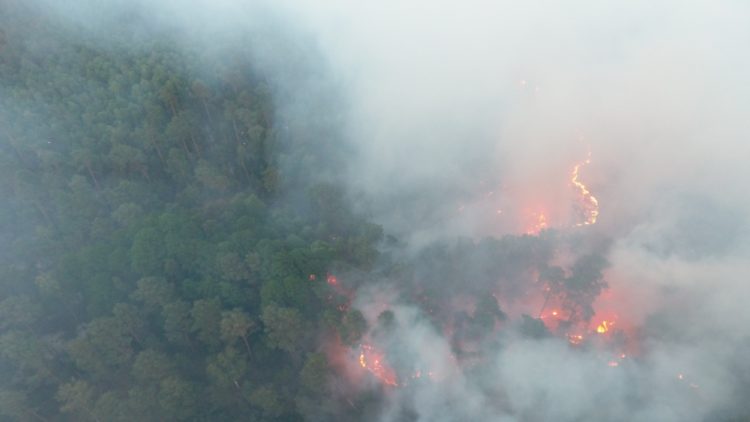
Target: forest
{"x":153,"y":266}
{"x":179,"y":242}
{"x":161,"y":258}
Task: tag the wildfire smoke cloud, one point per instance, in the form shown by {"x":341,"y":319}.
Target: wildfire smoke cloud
{"x":431,"y":115}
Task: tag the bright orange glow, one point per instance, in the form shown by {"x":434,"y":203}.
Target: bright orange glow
{"x":541,"y":216}
{"x":374,"y":362}
{"x":538,"y":224}
{"x":589,"y":203}
{"x":604,"y":326}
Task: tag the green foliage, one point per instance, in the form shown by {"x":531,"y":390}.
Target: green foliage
{"x":18,"y":312}
{"x":268,"y":400}
{"x":314,"y":375}
{"x":153,"y":292}
{"x":236,"y":324}
{"x":353,"y":327}
{"x":102,"y":347}
{"x":151,"y":366}
{"x":206,"y":317}
{"x":147,"y":253}
{"x":177,"y":322}
{"x":284,"y":328}
{"x":178,"y":398}
{"x":77,"y":397}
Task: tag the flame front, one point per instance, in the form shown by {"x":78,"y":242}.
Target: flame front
{"x":604,"y":327}
{"x":372,"y":360}
{"x":542,"y":216}
{"x":589,"y":203}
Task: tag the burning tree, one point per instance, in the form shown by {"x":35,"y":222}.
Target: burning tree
{"x":574,"y":294}
{"x":583,"y":286}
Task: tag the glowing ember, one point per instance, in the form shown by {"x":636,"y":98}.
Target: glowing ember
{"x":604,"y":327}
{"x":589,"y":203}
{"x":575,"y":339}
{"x":373,"y":361}
{"x":332,"y":280}
{"x":539,"y":224}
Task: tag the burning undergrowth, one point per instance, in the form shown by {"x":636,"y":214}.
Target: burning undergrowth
{"x":518,"y":327}
{"x":475,"y":326}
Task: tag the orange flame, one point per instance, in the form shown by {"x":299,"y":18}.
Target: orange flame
{"x":373,"y":361}
{"x":589,"y":203}
{"x":604,"y":326}
{"x":539,"y":224}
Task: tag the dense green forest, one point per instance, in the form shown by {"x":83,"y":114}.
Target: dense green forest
{"x":154,"y":264}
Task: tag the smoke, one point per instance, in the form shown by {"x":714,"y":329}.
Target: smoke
{"x":465,"y":117}
{"x":459,"y":119}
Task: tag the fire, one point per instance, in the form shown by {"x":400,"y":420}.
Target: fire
{"x":604,"y":326}
{"x":589,"y":204}
{"x":575,"y":339}
{"x":373,"y":361}
{"x":540,"y":217}
{"x":541,"y":222}
{"x":538,"y":223}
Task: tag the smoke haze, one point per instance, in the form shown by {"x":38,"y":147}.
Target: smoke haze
{"x":449,"y":103}
{"x":461,"y":122}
